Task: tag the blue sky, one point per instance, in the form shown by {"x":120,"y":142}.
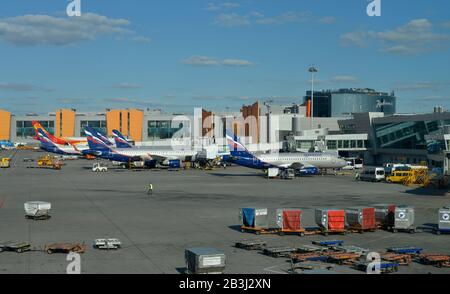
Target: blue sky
{"x":177,"y":55}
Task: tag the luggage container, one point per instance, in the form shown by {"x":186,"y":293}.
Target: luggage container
{"x":361,"y":218}
{"x":384,"y":214}
{"x":444,"y":220}
{"x":204,"y":261}
{"x":254,"y":219}
{"x":331,"y":220}
{"x":37,"y":210}
{"x":403,"y":220}
{"x":289,"y":220}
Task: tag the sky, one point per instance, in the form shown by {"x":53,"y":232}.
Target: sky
{"x":175,"y":55}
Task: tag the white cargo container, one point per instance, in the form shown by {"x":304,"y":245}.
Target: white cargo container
{"x":37,"y":209}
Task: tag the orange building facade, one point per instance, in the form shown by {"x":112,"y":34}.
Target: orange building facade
{"x":5,"y":125}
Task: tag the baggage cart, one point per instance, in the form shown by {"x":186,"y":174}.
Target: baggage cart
{"x":311,"y":248}
{"x":342,"y":257}
{"x":14,"y":247}
{"x":401,"y":259}
{"x":301,"y":257}
{"x":64,"y":248}
{"x":328,"y":243}
{"x":254,"y":219}
{"x":403,"y":220}
{"x":351,"y":249}
{"x":384,"y":214}
{"x":331,"y":221}
{"x":279,"y":251}
{"x":289,"y":221}
{"x":385,"y":267}
{"x":438,"y":260}
{"x":444,"y":221}
{"x":310,"y":266}
{"x":37,"y":210}
{"x":250,"y":244}
{"x":107,"y":244}
{"x":405,"y":250}
{"x":205,"y":261}
{"x":361,"y":219}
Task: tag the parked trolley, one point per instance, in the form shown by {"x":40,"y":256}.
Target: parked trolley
{"x":289,"y":220}
{"x":254,"y":220}
{"x":37,"y":210}
{"x":331,"y":220}
{"x":361,"y":219}
{"x":204,"y":261}
{"x":403,"y":220}
{"x":384,"y":214}
{"x":444,"y":220}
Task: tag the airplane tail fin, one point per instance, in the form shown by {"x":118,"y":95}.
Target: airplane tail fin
{"x":236,"y":147}
{"x":93,"y":132}
{"x":39,"y":128}
{"x":95,"y":143}
{"x":121,"y":141}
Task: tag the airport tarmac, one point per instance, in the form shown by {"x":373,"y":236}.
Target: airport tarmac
{"x":191,"y":208}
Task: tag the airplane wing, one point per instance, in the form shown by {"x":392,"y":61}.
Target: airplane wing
{"x":295,"y":165}
{"x":161,"y":159}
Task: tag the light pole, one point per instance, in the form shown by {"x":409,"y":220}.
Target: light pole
{"x":312,"y":70}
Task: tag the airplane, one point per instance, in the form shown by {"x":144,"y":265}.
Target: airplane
{"x":121,"y":141}
{"x":168,"y":157}
{"x":297,"y":161}
{"x":48,"y":145}
{"x":60,"y":141}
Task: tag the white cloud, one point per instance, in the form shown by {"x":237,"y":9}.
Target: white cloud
{"x":417,"y":86}
{"x":254,"y":17}
{"x":344,"y":79}
{"x":201,"y":61}
{"x":198,"y":60}
{"x":417,"y":36}
{"x":232,"y":20}
{"x":127,"y":86}
{"x":226,"y":5}
{"x":17,"y":87}
{"x":32,"y":30}
{"x":327,"y":20}
{"x":236,"y":62}
{"x":142,"y":39}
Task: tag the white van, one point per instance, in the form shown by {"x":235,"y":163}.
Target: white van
{"x":373,"y":174}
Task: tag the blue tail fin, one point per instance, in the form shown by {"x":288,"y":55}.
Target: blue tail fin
{"x":96,"y":143}
{"x":121,"y":141}
{"x":236,"y":147}
{"x":93,"y":132}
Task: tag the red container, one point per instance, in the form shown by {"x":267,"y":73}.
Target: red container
{"x":361,"y":218}
{"x":289,"y":219}
{"x":336,"y":220}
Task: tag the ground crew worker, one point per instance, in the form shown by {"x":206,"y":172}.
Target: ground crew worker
{"x":150,"y":189}
{"x":357,"y":176}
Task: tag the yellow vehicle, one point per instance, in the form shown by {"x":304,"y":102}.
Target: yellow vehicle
{"x":46,"y":160}
{"x":399,"y":177}
{"x":5,"y":163}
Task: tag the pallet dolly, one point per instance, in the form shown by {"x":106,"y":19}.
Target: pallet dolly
{"x":38,"y":218}
{"x":405,"y":250}
{"x":326,"y":232}
{"x":342,"y":258}
{"x":361,"y":230}
{"x":259,"y":231}
{"x":401,"y":259}
{"x":438,"y":260}
{"x":250,"y":244}
{"x":441,"y":231}
{"x":329,"y":243}
{"x":279,"y":251}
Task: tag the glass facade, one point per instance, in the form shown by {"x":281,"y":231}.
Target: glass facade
{"x":345,"y":104}
{"x":162,"y":129}
{"x":407,"y":135}
{"x":99,"y":125}
{"x":24,"y":129}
